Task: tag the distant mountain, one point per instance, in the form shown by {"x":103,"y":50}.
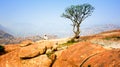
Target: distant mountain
{"x":4,"y":32}
{"x":4,"y":36}
{"x":98,"y":29}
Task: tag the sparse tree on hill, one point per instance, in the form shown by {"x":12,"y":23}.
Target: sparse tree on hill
{"x":78,"y":13}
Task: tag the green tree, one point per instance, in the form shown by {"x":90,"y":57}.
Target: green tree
{"x":77,"y":13}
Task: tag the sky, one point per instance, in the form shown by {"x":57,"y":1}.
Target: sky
{"x":27,"y":17}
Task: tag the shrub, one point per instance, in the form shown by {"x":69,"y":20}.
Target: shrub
{"x":71,"y":41}
{"x":1,"y":48}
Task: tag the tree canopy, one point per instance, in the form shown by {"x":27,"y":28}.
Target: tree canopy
{"x":78,"y":13}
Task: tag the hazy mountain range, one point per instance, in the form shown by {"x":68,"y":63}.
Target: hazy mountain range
{"x":98,"y":28}
{"x":7,"y":38}
{"x":4,"y":33}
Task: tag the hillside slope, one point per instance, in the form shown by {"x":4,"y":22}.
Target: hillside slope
{"x":91,"y":51}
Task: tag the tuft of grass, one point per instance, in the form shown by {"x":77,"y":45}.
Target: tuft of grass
{"x":71,"y":41}
{"x":68,"y":43}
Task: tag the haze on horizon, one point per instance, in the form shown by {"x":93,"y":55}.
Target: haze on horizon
{"x":44,"y":16}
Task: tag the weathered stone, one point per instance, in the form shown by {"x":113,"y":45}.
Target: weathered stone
{"x":23,"y":45}
{"x":39,"y":61}
{"x":52,"y":57}
{"x":26,"y":43}
{"x":31,"y":51}
{"x":48,"y":51}
{"x":58,"y":53}
{"x":54,"y":48}
{"x":41,"y":48}
{"x":76,"y":54}
{"x":108,"y":58}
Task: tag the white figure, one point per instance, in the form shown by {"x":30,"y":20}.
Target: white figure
{"x":45,"y":37}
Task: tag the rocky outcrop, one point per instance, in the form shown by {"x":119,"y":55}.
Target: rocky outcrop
{"x":88,"y":55}
{"x":26,"y":43}
{"x":39,"y":61}
{"x":109,"y":58}
{"x":32,"y":51}
{"x":77,"y":54}
{"x":10,"y":59}
{"x":28,"y":56}
{"x":13,"y":60}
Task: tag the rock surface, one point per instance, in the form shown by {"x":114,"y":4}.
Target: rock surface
{"x":40,"y":61}
{"x":75,"y":55}
{"x":109,"y":58}
{"x":29,"y":56}
{"x":31,"y":51}
{"x":26,"y":43}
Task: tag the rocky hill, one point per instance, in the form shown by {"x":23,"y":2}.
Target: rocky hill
{"x":98,"y":29}
{"x":5,"y":37}
{"x":100,"y":50}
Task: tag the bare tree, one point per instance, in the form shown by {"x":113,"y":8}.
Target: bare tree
{"x":78,"y":13}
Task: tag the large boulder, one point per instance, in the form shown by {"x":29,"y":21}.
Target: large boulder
{"x":47,"y":43}
{"x":12,"y":59}
{"x":77,"y":54}
{"x":58,"y":53}
{"x":26,"y":43}
{"x":39,"y":61}
{"x":109,"y":58}
{"x":32,"y":51}
{"x":11,"y":47}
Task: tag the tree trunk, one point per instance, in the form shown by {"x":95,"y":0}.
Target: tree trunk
{"x":77,"y":32}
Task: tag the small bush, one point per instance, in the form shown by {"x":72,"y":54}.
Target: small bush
{"x":1,"y":48}
{"x":68,"y":43}
{"x":71,"y":41}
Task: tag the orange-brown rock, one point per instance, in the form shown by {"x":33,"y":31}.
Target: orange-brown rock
{"x":11,"y":47}
{"x":10,"y":59}
{"x":31,"y":51}
{"x":39,"y":61}
{"x":109,"y":58}
{"x":47,"y":43}
{"x":52,"y":57}
{"x":26,"y":43}
{"x":77,"y":54}
{"x":58,"y":53}
{"x":28,"y":51}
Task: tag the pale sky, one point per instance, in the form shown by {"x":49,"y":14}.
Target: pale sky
{"x":44,"y":16}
